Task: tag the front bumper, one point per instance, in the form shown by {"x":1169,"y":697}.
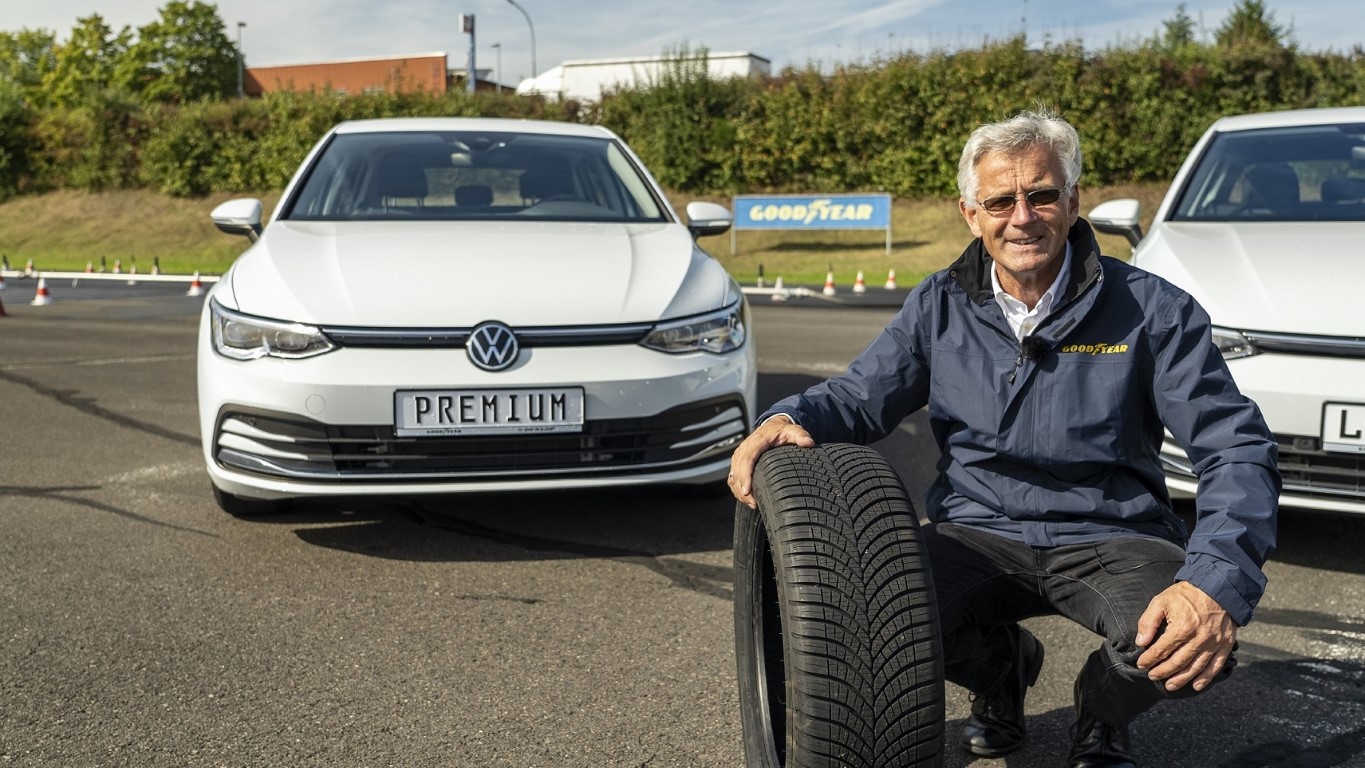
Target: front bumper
{"x":324,"y":426}
{"x":1291,"y":391}
{"x":1313,"y":478}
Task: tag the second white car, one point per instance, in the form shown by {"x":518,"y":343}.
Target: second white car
{"x":1264,"y":225}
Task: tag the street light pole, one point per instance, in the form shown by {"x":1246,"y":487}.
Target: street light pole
{"x":472,"y":73}
{"x":497,"y":73}
{"x":534,"y":71}
{"x":240,"y":86}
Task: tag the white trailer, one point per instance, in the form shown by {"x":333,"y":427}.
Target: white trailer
{"x":586,"y":79}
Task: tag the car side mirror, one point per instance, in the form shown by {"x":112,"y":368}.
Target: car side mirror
{"x":1118,"y":217}
{"x":239,"y":217}
{"x":704,"y":219}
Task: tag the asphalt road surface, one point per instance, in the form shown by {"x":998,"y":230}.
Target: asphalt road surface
{"x":141,"y":626}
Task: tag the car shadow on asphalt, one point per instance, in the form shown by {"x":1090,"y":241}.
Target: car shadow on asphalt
{"x":517,"y":526}
{"x":1320,"y":540}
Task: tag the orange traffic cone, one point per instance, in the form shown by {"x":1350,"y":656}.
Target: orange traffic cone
{"x":118,"y":266}
{"x":28,"y":268}
{"x":859,"y":285}
{"x":891,"y":280}
{"x":89,"y":267}
{"x":41,"y":298}
{"x":196,"y":287}
{"x":829,"y":284}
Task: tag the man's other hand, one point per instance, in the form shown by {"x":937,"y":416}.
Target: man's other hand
{"x":778,"y":430}
{"x":1188,"y":637}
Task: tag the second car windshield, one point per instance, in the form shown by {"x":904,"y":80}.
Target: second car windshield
{"x":456,"y":175}
{"x":1303,"y":173}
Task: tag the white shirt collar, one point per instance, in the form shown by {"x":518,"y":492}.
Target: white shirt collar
{"x":1023,"y":320}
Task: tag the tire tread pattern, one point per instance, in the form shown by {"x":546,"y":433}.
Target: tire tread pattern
{"x":860,"y":624}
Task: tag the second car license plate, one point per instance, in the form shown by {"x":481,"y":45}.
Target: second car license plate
{"x":1343,"y":427}
{"x":419,"y":413}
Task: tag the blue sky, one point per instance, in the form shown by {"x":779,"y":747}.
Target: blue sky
{"x":787,"y":32}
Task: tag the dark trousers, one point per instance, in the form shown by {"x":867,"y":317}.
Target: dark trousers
{"x":987,"y":583}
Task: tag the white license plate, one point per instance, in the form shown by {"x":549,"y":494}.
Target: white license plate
{"x":1343,"y":427}
{"x":421,"y":413}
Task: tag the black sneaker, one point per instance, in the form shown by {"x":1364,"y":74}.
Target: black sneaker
{"x":996,"y":727}
{"x":1095,"y":743}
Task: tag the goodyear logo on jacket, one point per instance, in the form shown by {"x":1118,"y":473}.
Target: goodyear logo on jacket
{"x":1094,"y":349}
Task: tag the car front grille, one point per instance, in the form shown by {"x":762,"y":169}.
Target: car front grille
{"x":285,"y":446}
{"x":444,"y":338}
{"x":1305,"y":468}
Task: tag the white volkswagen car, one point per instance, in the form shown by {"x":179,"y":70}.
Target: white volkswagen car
{"x":450,"y":304}
{"x":1265,"y":226}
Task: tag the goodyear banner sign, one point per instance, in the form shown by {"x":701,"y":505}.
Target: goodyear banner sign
{"x":813,"y":212}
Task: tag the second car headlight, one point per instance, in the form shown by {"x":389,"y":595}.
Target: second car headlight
{"x":244,"y":337}
{"x":1233,"y":344}
{"x":717,"y":332}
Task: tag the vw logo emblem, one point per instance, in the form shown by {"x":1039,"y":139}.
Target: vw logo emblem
{"x":492,"y":346}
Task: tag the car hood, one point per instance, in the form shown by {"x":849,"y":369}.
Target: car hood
{"x":458,"y":274}
{"x":1286,"y":277}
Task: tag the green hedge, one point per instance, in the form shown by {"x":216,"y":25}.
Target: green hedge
{"x":895,"y":126}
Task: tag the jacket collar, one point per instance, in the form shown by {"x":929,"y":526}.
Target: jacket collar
{"x":972,"y":268}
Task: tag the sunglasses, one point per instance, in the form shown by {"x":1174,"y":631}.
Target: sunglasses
{"x":1005,"y":203}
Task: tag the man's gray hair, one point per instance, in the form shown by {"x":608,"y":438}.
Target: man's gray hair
{"x":1024,"y":130}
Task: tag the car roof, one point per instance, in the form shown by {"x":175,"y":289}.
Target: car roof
{"x":1291,"y":117}
{"x":401,"y":124}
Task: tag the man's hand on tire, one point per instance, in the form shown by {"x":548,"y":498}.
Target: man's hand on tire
{"x":778,"y":430}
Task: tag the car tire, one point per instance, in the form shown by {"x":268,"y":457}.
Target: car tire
{"x":836,"y":629}
{"x":241,"y":506}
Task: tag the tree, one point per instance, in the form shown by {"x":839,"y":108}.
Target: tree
{"x":86,"y":64}
{"x":13,"y":137}
{"x":184,"y":56}
{"x":1179,"y":30}
{"x":1250,"y":24}
{"x":26,"y":57}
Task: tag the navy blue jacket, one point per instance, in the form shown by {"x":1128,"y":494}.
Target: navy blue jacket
{"x":1056,"y":441}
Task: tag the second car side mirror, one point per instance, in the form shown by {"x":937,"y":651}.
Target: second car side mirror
{"x":239,"y":217}
{"x":1118,"y":217}
{"x":705,"y":218}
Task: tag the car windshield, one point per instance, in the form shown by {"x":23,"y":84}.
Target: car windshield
{"x":461,"y":175}
{"x":1303,"y":173}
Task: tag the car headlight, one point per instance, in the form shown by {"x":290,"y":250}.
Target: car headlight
{"x":1233,"y":344}
{"x":717,"y":332}
{"x":243,"y":337}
